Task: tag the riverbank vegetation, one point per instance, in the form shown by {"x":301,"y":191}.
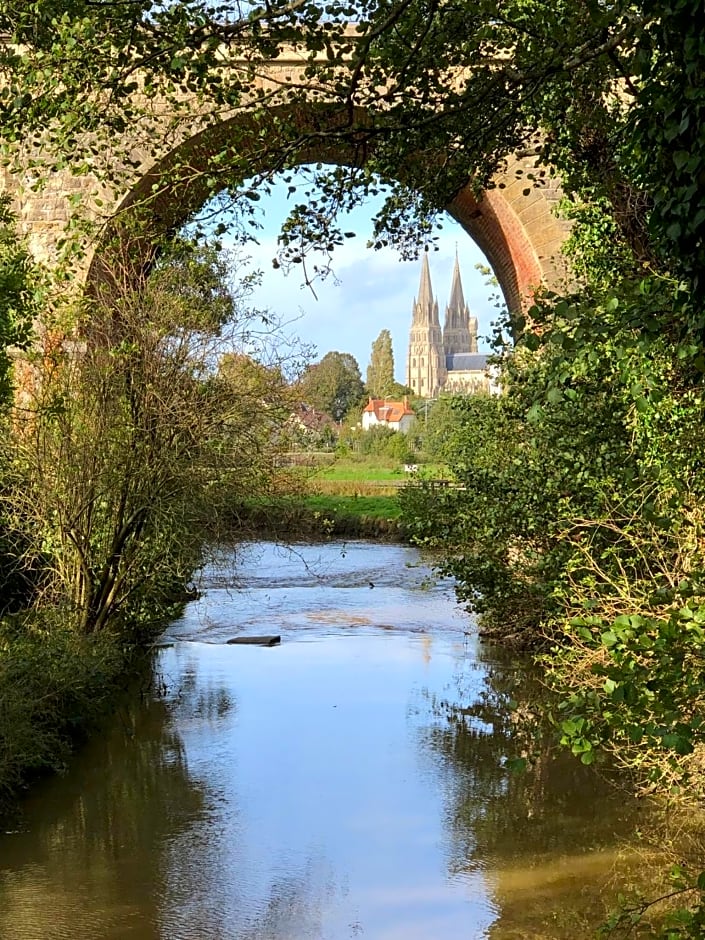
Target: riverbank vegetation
{"x":576,"y":528}
{"x":56,"y":687}
{"x":123,"y":456}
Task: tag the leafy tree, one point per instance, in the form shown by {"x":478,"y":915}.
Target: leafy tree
{"x":262,"y":403}
{"x":436,"y":426}
{"x":19,"y":295}
{"x":333,"y":385}
{"x":380,"y":371}
{"x":20,"y":286}
{"x":379,"y":441}
{"x":132,"y":449}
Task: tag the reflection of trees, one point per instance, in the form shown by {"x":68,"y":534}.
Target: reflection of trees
{"x":550,"y":840}
{"x":89,"y":863}
{"x":130,"y":845}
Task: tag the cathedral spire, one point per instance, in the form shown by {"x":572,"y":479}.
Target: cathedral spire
{"x":424,"y":304}
{"x":457,"y":300}
{"x":426,"y":371}
{"x":459,"y":329}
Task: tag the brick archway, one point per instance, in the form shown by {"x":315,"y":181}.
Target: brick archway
{"x":513,"y":222}
{"x":518,"y":230}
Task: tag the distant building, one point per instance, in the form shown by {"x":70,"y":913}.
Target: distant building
{"x":390,"y":414}
{"x":445,"y":360}
{"x":309,"y":429}
{"x":309,"y":419}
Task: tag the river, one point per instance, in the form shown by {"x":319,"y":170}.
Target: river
{"x":322,"y":789}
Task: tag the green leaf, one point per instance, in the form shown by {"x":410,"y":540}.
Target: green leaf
{"x":517,"y":765}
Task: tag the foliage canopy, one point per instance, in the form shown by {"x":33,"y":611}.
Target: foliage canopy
{"x":431,"y":95}
{"x":380,"y":372}
{"x":333,"y":385}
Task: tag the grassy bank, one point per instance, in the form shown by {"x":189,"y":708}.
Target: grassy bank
{"x":371,"y":516}
{"x":368,"y":507}
{"x":324,"y":516}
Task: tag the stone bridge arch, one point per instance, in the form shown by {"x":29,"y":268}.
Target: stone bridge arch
{"x":513,"y":223}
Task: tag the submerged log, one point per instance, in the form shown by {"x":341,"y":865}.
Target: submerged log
{"x":255,"y":640}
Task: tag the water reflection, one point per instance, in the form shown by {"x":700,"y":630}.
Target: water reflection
{"x":69,"y":867}
{"x":349,"y":783}
{"x":549,"y":841}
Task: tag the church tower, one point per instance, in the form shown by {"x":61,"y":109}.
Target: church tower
{"x":426,"y":367}
{"x":459,"y":329}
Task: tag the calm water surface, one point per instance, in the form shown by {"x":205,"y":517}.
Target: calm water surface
{"x":321,"y":789}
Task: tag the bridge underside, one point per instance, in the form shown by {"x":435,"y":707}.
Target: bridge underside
{"x":513,"y":222}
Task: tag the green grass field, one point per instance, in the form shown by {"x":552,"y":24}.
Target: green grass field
{"x":371,"y":507}
{"x":350,"y":471}
{"x":350,"y":477}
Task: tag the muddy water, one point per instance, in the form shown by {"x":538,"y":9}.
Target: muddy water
{"x":323,"y":789}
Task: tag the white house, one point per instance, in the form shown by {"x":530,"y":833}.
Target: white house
{"x":390,"y":414}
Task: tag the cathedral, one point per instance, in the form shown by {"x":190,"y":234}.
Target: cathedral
{"x":446,"y":361}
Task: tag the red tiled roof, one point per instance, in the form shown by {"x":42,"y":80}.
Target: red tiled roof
{"x":388,"y":411}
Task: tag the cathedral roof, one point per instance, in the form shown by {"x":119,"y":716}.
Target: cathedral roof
{"x":467,"y":362}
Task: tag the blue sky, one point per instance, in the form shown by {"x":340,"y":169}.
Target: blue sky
{"x":371,"y":291}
